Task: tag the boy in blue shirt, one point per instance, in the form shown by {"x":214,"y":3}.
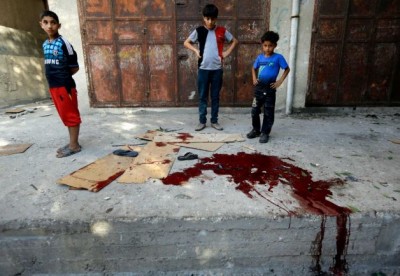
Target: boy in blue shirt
{"x":265,"y":70}
{"x":61,"y":63}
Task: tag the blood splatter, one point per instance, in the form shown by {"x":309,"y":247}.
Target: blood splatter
{"x":248,"y":171}
{"x":251,"y":170}
{"x":184,"y":136}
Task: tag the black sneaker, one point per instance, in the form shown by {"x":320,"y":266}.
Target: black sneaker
{"x":253,"y":134}
{"x":264,"y":138}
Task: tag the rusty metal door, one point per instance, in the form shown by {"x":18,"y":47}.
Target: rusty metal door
{"x":130,"y":49}
{"x":246,"y":22}
{"x":135,"y":56}
{"x":355,"y":53}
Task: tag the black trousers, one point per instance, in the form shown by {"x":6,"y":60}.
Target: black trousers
{"x":264,"y":98}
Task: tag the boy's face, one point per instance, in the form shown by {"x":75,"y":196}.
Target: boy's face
{"x":209,"y":22}
{"x":268,"y":47}
{"x":50,"y":26}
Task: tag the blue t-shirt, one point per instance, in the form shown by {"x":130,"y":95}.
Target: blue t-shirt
{"x":59,"y":58}
{"x":268,"y":67}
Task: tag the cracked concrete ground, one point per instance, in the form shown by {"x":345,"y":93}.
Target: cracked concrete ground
{"x":357,"y":146}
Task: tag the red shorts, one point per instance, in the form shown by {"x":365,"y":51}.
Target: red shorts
{"x":66,"y":105}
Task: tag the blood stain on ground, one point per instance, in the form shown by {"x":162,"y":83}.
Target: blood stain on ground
{"x":184,"y":136}
{"x":248,"y":171}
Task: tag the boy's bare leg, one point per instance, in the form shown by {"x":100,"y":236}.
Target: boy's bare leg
{"x":73,"y":137}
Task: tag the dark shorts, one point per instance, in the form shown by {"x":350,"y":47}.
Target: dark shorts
{"x":66,"y":105}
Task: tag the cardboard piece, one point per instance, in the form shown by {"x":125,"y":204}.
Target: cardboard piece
{"x":97,"y":174}
{"x":154,"y":161}
{"x":15,"y":111}
{"x":13,"y":149}
{"x":395,"y":141}
{"x":201,"y":146}
{"x":198,"y":138}
{"x":149,"y":136}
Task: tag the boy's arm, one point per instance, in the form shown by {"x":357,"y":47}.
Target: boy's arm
{"x":278,"y":83}
{"x":188,"y":44}
{"x":254,"y":74}
{"x":232,"y":46}
{"x":73,"y":70}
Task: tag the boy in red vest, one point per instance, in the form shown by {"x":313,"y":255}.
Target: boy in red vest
{"x":210,"y":53}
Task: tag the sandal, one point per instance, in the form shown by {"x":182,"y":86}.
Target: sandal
{"x":128,"y":153}
{"x":187,"y":156}
{"x":65,"y":152}
{"x":62,"y":148}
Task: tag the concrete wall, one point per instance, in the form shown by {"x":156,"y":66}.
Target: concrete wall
{"x":238,"y":246}
{"x":279,"y":22}
{"x":281,"y":11}
{"x":21,"y":62}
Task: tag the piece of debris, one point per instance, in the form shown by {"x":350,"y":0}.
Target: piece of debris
{"x":15,"y":111}
{"x":14,"y":149}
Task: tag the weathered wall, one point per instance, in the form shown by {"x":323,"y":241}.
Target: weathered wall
{"x":281,"y":11}
{"x":21,"y":62}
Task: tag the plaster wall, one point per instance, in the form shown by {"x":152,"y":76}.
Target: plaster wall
{"x":280,"y":15}
{"x":21,"y":62}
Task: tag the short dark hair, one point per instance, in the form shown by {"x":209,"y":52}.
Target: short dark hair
{"x":210,"y":10}
{"x":270,"y":36}
{"x":51,"y":14}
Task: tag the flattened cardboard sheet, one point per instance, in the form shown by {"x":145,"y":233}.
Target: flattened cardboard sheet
{"x":198,"y":138}
{"x":98,"y":174}
{"x":149,"y":135}
{"x":201,"y":146}
{"x":154,"y":161}
{"x":15,"y":111}
{"x":13,"y":149}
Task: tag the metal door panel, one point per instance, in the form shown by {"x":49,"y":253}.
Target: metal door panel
{"x":187,"y":72}
{"x":97,"y":8}
{"x":246,"y":56}
{"x":132,"y":74}
{"x":325,"y":73}
{"x":359,"y":30}
{"x":388,"y":30}
{"x":382,"y":66}
{"x":129,"y":31}
{"x":330,"y":29}
{"x":99,"y":31}
{"x":159,"y":32}
{"x":158,"y":8}
{"x":361,"y":39}
{"x":128,"y":8}
{"x":354,"y":73}
{"x":161,"y":70}
{"x":362,"y":7}
{"x":332,"y":8}
{"x":104,"y":73}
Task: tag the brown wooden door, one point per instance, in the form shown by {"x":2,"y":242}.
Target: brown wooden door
{"x":247,"y":22}
{"x":355,"y":53}
{"x":135,"y":56}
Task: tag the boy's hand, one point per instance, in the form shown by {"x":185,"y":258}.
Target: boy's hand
{"x":276,"y":84}
{"x":197,"y":51}
{"x":255,"y":81}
